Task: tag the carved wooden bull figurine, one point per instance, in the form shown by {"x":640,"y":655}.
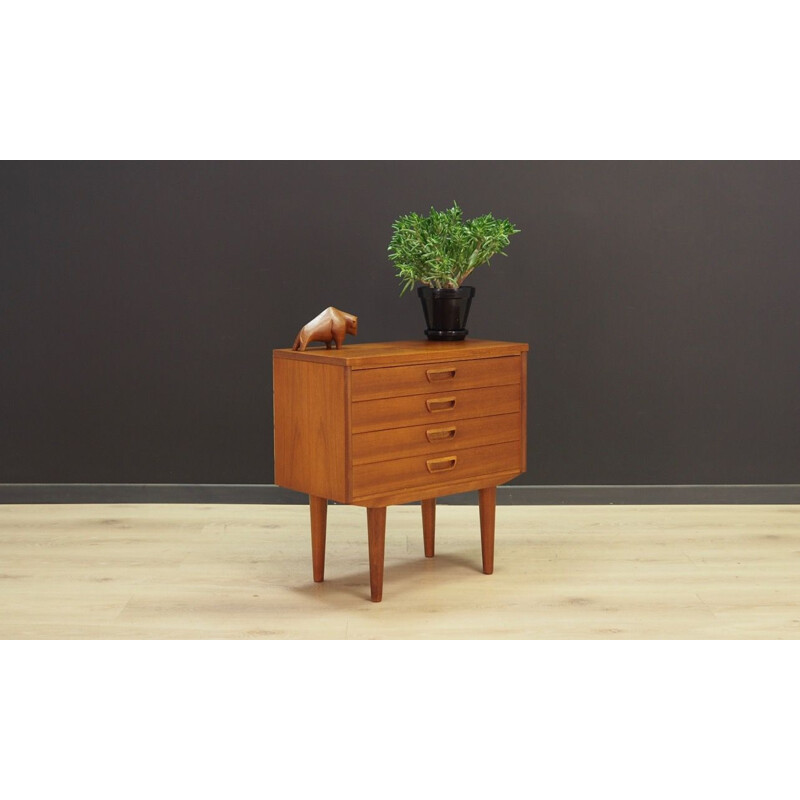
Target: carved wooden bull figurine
{"x":329,"y":326}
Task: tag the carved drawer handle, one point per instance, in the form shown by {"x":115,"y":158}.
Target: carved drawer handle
{"x":441,"y":404}
{"x":440,"y":374}
{"x":442,"y":464}
{"x":441,"y":433}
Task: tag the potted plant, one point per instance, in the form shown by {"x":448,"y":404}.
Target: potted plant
{"x":440,"y":251}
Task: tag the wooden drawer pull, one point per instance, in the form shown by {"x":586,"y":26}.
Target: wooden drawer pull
{"x":442,"y":464}
{"x":440,"y":374}
{"x":441,"y":404}
{"x":434,"y":434}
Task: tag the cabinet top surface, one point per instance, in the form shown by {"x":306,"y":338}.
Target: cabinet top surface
{"x":381,"y":354}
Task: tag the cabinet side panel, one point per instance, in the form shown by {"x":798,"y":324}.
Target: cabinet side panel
{"x":309,"y":407}
{"x":348,"y":433}
{"x":524,"y":408}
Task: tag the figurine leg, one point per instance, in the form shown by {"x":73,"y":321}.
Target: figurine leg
{"x":487,"y":499}
{"x":328,"y":345}
{"x":319,"y":519}
{"x":300,"y":343}
{"x":429,"y":525}
{"x":376,"y":531}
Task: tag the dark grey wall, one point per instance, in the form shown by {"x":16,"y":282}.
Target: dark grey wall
{"x":139,"y":303}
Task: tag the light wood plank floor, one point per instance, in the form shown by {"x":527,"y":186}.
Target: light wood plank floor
{"x":244,"y":571}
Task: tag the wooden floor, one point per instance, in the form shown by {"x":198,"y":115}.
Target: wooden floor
{"x":244,"y":571}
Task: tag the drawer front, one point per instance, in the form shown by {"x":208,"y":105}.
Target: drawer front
{"x":370,"y":384}
{"x":434,"y":438}
{"x":400,"y":412}
{"x":439,"y":469}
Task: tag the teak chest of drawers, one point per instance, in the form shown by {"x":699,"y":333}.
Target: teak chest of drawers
{"x":393,"y":422}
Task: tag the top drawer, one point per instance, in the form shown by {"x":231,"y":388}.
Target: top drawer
{"x":372,"y":384}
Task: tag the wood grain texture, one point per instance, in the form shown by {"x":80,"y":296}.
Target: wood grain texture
{"x":241,"y":572}
{"x":429,"y":526}
{"x":407,"y":473}
{"x":523,"y":357}
{"x":329,"y":326}
{"x":434,"y":408}
{"x":487,"y":501}
{"x":310,"y":428}
{"x":376,"y":535}
{"x":372,"y":384}
{"x":381,"y":434}
{"x":439,"y":488}
{"x":348,"y":433}
{"x":318,"y":507}
{"x":377,"y":354}
{"x":433,"y":438}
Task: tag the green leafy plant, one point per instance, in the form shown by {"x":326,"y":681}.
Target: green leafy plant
{"x":442,"y":249}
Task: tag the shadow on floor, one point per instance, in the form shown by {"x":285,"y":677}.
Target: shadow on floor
{"x":396,"y":578}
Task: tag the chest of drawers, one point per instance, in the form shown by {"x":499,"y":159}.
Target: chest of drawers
{"x":394,"y":422}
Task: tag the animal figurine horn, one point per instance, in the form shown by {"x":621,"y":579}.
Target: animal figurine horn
{"x":329,"y":326}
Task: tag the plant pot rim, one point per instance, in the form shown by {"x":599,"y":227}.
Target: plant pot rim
{"x":446,"y":291}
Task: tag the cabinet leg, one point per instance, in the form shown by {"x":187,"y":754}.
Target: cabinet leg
{"x":429,"y":525}
{"x":487,"y":501}
{"x":319,"y":520}
{"x":376,"y":531}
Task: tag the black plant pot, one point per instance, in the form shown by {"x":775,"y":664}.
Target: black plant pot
{"x":446,"y":312}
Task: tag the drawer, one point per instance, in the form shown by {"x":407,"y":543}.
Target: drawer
{"x":370,"y":384}
{"x":400,"y":412}
{"x":440,"y":469}
{"x":434,"y":437}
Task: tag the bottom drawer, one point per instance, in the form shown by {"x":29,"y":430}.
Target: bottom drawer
{"x":443,"y":468}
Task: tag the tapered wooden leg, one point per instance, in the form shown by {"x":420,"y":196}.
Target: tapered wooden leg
{"x":376,"y":531}
{"x":488,"y":501}
{"x":429,"y":525}
{"x":319,"y":520}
